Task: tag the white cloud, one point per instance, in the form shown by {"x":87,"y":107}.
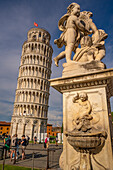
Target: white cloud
{"x":55,"y":117}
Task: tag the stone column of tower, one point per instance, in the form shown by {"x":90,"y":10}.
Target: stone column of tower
{"x":32,"y":93}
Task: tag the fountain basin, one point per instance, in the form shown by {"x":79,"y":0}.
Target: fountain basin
{"x":86,"y":141}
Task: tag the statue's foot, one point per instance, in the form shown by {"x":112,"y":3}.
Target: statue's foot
{"x":56,"y":61}
{"x":70,"y":61}
{"x":55,"y":41}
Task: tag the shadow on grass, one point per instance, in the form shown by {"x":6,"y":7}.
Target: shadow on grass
{"x":36,"y":155}
{"x":12,"y":167}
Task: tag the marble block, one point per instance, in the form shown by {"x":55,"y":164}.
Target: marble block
{"x":98,"y":88}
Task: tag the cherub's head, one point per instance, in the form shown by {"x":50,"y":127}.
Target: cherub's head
{"x":74,"y":9}
{"x":86,"y":41}
{"x":83,"y":96}
{"x":86,"y":14}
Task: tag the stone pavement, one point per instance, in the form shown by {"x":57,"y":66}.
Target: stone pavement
{"x":40,"y":157}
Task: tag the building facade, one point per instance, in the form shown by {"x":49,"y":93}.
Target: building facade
{"x":32,"y":93}
{"x":4,"y":128}
{"x":53,"y":131}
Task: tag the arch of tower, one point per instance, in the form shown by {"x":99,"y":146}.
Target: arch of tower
{"x":32,"y":93}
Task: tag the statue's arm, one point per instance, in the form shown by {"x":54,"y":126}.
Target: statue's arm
{"x":81,"y":27}
{"x":92,"y":26}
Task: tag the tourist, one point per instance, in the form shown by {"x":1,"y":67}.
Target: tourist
{"x":23,"y":143}
{"x":7,"y":142}
{"x":56,"y":140}
{"x":17,"y":148}
{"x":14,"y":143}
{"x":47,"y":144}
{"x":35,"y":140}
{"x":27,"y":140}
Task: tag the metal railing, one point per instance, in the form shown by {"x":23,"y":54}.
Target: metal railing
{"x":49,"y":153}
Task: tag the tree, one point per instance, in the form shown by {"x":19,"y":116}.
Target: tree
{"x":62,"y":128}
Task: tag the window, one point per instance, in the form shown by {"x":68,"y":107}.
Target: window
{"x":34,"y":37}
{"x":39,"y":34}
{"x":1,"y":128}
{"x":7,"y":128}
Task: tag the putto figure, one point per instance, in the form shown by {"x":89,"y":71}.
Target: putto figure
{"x":82,"y":119}
{"x":76,"y":27}
{"x":71,"y":26}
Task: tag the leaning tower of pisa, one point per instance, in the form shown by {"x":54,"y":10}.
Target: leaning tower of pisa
{"x":32,"y":93}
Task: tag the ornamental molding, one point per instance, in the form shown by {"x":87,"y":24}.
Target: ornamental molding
{"x":77,"y":85}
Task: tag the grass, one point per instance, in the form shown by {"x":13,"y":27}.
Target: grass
{"x":112,"y":115}
{"x":31,"y":142}
{"x":12,"y":167}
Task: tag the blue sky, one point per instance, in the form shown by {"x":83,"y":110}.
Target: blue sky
{"x":16,"y":18}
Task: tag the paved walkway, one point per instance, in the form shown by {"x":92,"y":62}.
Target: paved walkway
{"x":40,"y":157}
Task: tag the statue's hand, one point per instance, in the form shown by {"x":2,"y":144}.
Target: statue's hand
{"x":90,"y":32}
{"x":87,"y":32}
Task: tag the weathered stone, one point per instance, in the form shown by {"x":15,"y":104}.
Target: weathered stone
{"x":99,"y":89}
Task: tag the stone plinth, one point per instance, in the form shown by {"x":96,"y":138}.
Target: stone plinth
{"x":98,"y":86}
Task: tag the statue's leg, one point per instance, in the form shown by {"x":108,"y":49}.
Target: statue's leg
{"x":68,"y":51}
{"x":101,"y":54}
{"x":59,"y":57}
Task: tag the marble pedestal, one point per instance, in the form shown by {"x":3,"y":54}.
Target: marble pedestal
{"x":98,"y":86}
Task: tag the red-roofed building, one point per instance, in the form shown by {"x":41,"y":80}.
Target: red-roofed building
{"x":4,"y":127}
{"x":52,"y":131}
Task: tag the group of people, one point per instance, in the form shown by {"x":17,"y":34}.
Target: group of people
{"x":12,"y":144}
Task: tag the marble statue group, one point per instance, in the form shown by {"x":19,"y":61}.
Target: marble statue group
{"x":79,"y":30}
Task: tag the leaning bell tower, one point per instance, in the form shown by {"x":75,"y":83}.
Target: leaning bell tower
{"x":32,"y":93}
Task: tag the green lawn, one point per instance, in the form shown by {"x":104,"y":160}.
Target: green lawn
{"x":12,"y":167}
{"x":112,"y":115}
